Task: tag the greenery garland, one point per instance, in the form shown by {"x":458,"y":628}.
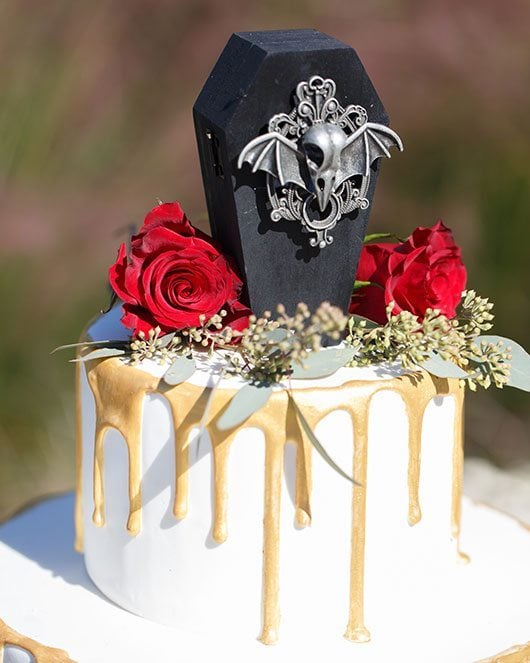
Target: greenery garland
{"x":272,"y":351}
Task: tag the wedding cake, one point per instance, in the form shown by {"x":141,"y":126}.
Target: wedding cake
{"x":242,"y":481}
{"x":270,"y":436}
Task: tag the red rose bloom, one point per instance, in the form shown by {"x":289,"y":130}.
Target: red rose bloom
{"x":174,"y":273}
{"x":425,"y":271}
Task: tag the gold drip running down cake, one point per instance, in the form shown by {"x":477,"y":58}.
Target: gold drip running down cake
{"x":270,"y":439}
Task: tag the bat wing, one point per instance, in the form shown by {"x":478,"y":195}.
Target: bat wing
{"x":277,"y":155}
{"x":363,"y":147}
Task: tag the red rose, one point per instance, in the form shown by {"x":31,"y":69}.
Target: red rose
{"x":174,"y":273}
{"x":425,"y":271}
{"x":369,"y":301}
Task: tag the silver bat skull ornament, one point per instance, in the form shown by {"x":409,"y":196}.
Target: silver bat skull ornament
{"x":318,"y":158}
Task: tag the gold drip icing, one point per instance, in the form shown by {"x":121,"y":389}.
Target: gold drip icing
{"x":415,"y":417}
{"x":518,"y":654}
{"x":356,"y":630}
{"x":221,"y":448}
{"x":119,"y":392}
{"x":40,"y":653}
{"x":187,"y":406}
{"x":303,"y":470}
{"x":458,"y":471}
{"x":119,"y":403}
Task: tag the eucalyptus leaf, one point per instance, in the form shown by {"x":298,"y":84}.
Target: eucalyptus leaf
{"x":443,"y":368}
{"x":86,"y":344}
{"x":520,"y":361}
{"x":316,"y":443}
{"x":378,"y":236}
{"x":277,"y":335}
{"x":165,"y":340}
{"x":322,"y":363}
{"x":248,"y":399}
{"x":100,"y":353}
{"x":355,"y":319}
{"x":206,"y":412}
{"x":180,"y":370}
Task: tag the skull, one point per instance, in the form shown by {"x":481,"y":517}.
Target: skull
{"x":323,"y":145}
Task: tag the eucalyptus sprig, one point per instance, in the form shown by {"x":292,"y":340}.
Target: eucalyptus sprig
{"x":211,"y":333}
{"x":490,"y":363}
{"x":154,"y":346}
{"x":165,"y":348}
{"x":159,"y":347}
{"x":272,"y":351}
{"x":403,"y":338}
{"x":446,"y":348}
{"x":270,"y":348}
{"x":475,"y":314}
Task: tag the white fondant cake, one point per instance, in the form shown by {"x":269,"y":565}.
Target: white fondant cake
{"x":228,"y":563}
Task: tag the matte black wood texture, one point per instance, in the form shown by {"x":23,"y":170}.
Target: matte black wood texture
{"x":255,"y":78}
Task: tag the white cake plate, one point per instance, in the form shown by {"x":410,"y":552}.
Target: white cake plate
{"x":45,"y":593}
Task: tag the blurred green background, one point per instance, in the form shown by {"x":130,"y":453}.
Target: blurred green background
{"x":95,"y":125}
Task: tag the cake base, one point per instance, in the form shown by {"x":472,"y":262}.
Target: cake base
{"x":483,"y":609}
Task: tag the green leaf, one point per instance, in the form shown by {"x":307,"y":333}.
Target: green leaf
{"x":520,"y":361}
{"x":322,"y":363}
{"x":180,"y":370}
{"x":207,"y":407}
{"x":361,"y":284}
{"x":364,"y":284}
{"x":277,"y":335}
{"x":206,"y":412}
{"x":316,"y":443}
{"x":356,"y":319}
{"x":166,"y":340}
{"x":247,"y":400}
{"x":86,"y":344}
{"x":379,"y":236}
{"x":100,"y":353}
{"x":443,"y":368}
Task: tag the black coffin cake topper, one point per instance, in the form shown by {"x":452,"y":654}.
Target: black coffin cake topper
{"x":313,"y":157}
{"x":298,"y":108}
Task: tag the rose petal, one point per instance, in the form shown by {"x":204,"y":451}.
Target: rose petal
{"x":237,"y":316}
{"x":170,"y":215}
{"x":138,"y":320}
{"x":373,"y":262}
{"x":118,"y":275}
{"x":369,"y":302}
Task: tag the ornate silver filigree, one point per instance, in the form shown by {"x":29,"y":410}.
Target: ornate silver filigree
{"x":317,"y":158}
